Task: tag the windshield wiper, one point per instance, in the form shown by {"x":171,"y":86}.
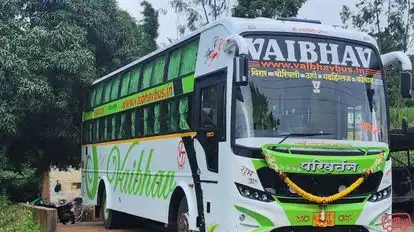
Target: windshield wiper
{"x":304,"y":135}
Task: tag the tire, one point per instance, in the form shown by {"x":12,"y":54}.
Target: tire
{"x":111,"y":218}
{"x":182,"y":222}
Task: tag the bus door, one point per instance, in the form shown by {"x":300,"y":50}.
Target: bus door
{"x":209,"y":123}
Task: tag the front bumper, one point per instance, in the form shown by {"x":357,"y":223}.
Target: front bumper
{"x":288,"y":217}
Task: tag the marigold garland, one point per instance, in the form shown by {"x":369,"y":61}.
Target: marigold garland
{"x":323,"y":200}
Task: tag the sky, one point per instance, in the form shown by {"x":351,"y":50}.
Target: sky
{"x":327,"y":11}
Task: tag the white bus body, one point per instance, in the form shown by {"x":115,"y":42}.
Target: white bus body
{"x":148,"y":176}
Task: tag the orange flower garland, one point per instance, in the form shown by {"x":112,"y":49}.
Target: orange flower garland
{"x":323,"y":200}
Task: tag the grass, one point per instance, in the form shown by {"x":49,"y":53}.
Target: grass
{"x":15,"y":218}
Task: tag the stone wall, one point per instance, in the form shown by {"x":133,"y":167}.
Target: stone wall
{"x":46,"y":217}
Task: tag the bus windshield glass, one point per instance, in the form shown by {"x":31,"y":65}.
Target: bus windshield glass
{"x":311,"y":85}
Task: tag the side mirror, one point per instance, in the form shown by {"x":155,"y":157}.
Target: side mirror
{"x":406,"y":84}
{"x":241,"y":70}
{"x":404,"y":125}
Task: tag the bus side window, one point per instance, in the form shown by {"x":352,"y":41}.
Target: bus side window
{"x":134,"y":124}
{"x":140,"y":122}
{"x":96,"y":131}
{"x":107,"y":91}
{"x":183,"y":113}
{"x":106,"y":130}
{"x":209,"y":105}
{"x":172,"y":116}
{"x":121,"y":126}
{"x":113,"y":127}
{"x":101,"y":129}
{"x":90,"y":131}
{"x":127,"y":125}
{"x":148,"y":120}
{"x":156,"y":118}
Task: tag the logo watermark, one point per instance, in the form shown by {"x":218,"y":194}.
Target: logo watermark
{"x":396,"y":222}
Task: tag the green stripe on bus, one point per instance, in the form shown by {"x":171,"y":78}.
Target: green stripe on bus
{"x":156,"y":94}
{"x":262,"y":220}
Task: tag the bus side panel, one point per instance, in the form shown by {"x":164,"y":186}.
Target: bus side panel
{"x":210,"y":56}
{"x":143,"y":174}
{"x":90,"y":174}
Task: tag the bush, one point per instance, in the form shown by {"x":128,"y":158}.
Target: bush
{"x":15,"y":218}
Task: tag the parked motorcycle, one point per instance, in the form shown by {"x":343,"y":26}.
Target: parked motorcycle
{"x":66,"y":212}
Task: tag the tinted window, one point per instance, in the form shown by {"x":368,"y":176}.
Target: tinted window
{"x":107,"y":92}
{"x":147,"y":76}
{"x":115,"y":89}
{"x":189,"y":57}
{"x":133,"y":86}
{"x":209,"y":107}
{"x":98,"y":97}
{"x":184,"y":113}
{"x":174,"y":65}
{"x":148,"y":120}
{"x":158,"y":72}
{"x":92,"y":98}
{"x":125,"y":85}
{"x":173,"y":115}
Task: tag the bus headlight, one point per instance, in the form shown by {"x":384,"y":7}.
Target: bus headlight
{"x":253,"y":193}
{"x":381,"y":195}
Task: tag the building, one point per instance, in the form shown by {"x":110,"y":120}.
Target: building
{"x":70,"y":185}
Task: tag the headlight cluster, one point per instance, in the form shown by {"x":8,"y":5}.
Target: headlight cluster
{"x":381,"y":195}
{"x":253,"y":193}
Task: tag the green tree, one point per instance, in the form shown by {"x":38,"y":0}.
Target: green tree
{"x":51,"y":52}
{"x":267,"y":8}
{"x":198,"y":12}
{"x":149,"y":27}
{"x":390,"y":23}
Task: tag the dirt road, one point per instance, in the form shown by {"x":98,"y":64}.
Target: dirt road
{"x":92,"y":227}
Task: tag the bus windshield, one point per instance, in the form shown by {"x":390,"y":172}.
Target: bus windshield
{"x":311,"y":85}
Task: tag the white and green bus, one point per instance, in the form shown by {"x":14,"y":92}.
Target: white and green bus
{"x":246,"y":125}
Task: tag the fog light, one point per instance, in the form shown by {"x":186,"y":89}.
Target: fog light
{"x":254,"y":194}
{"x":381,"y":195}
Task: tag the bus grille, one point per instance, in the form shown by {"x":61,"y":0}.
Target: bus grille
{"x":297,"y":200}
{"x":320,"y":185}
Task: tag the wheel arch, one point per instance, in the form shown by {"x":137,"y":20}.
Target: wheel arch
{"x":104,"y":187}
{"x":183,"y":190}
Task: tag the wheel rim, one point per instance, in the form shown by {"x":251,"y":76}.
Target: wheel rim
{"x":183,"y":223}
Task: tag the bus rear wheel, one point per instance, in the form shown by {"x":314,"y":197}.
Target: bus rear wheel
{"x":110,"y":217}
{"x":182,"y":217}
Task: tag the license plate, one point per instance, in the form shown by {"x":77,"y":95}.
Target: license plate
{"x":329,"y":219}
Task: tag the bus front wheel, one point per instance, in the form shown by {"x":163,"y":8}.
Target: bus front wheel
{"x":182,"y":216}
{"x":110,"y":217}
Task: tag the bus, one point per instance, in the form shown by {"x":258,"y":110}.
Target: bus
{"x":245,"y":125}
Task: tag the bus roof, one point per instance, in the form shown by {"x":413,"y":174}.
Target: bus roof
{"x":239,"y":25}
